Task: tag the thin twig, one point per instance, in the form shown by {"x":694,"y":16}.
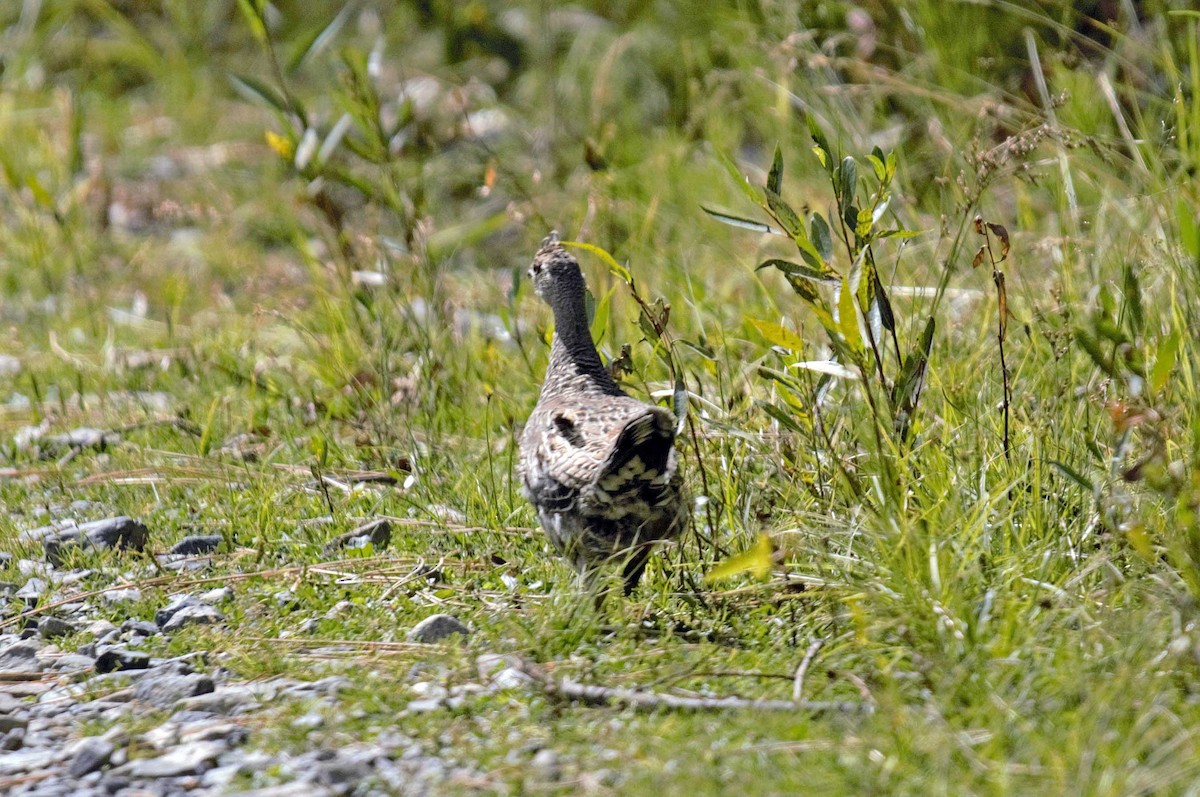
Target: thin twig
{"x":802,"y":670}
{"x":567,"y":689}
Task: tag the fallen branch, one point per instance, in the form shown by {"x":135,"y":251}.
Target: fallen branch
{"x":802,"y":670}
{"x":566,"y":689}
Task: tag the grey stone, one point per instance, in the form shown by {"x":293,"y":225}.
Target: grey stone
{"x":215,"y":596}
{"x":176,"y":603}
{"x":10,"y":704}
{"x":437,"y":627}
{"x":21,"y":656}
{"x":377,"y":532}
{"x":13,"y":740}
{"x":165,"y":686}
{"x":99,"y":628}
{"x":32,"y":589}
{"x":189,"y":759}
{"x":142,"y":627}
{"x":213,"y":730}
{"x":114,"y":659}
{"x":344,"y":771}
{"x":547,"y":764}
{"x":10,"y":722}
{"x":75,"y":661}
{"x":195,"y":614}
{"x":127,"y":595}
{"x":118,"y":532}
{"x":83,"y":437}
{"x":224,"y":700}
{"x":287,"y":790}
{"x":196,"y":544}
{"x":53,"y":628}
{"x":91,"y":754}
{"x":26,"y":761}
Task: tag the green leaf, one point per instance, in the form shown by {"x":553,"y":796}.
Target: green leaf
{"x":821,"y":238}
{"x":818,"y":137}
{"x":319,"y":39}
{"x":775,"y":176}
{"x":848,"y":326}
{"x":738,"y":221}
{"x":1088,"y":342}
{"x":1073,"y":475}
{"x":784,"y":214}
{"x":610,"y":261}
{"x":738,"y":178}
{"x":850,"y":216}
{"x":901,"y":234}
{"x":782,"y":416}
{"x":863,"y":222}
{"x":886,"y":317}
{"x":908,"y":385}
{"x":646,"y":324}
{"x":1189,"y":227}
{"x":254,"y":20}
{"x":209,"y":428}
{"x":906,"y":394}
{"x":756,"y":560}
{"x":824,"y":275}
{"x":680,"y":396}
{"x":600,"y":315}
{"x":1164,"y":361}
{"x":778,"y":335}
{"x":256,"y":91}
{"x":1133,"y":301}
{"x":876,"y":161}
{"x":847,"y":180}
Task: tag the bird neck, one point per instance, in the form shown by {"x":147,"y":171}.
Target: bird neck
{"x":574,"y":360}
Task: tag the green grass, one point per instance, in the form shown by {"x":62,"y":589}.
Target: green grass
{"x":1023,"y":621}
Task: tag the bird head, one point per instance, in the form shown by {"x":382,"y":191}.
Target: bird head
{"x":554,"y":271}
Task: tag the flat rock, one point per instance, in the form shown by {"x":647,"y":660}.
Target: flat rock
{"x":115,"y":659}
{"x":225,"y":700}
{"x":91,"y":754}
{"x":175,"y":604}
{"x":111,"y":533}
{"x":188,"y":759}
{"x":32,"y":589}
{"x":54,"y":627}
{"x":437,"y":627}
{"x":21,"y":656}
{"x":194,"y":614}
{"x":377,"y":532}
{"x":287,"y":790}
{"x":26,"y":761}
{"x":74,"y":661}
{"x":10,"y":722}
{"x":195,"y":544}
{"x":126,"y":595}
{"x":166,"y":686}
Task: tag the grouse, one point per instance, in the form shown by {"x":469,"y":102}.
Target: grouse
{"x":599,"y":466}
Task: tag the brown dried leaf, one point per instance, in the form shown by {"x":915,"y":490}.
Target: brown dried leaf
{"x":978,"y":261}
{"x":979,"y":224}
{"x":1002,"y":234}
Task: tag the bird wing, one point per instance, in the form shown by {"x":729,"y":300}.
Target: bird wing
{"x":602,"y":452}
{"x":640,"y":465}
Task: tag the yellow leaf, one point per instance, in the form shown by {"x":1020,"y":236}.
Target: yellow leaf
{"x":756,"y":560}
{"x":778,"y":335}
{"x":280,"y":144}
{"x":848,"y":318}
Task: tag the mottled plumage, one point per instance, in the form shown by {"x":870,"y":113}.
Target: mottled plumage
{"x":599,"y":465}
